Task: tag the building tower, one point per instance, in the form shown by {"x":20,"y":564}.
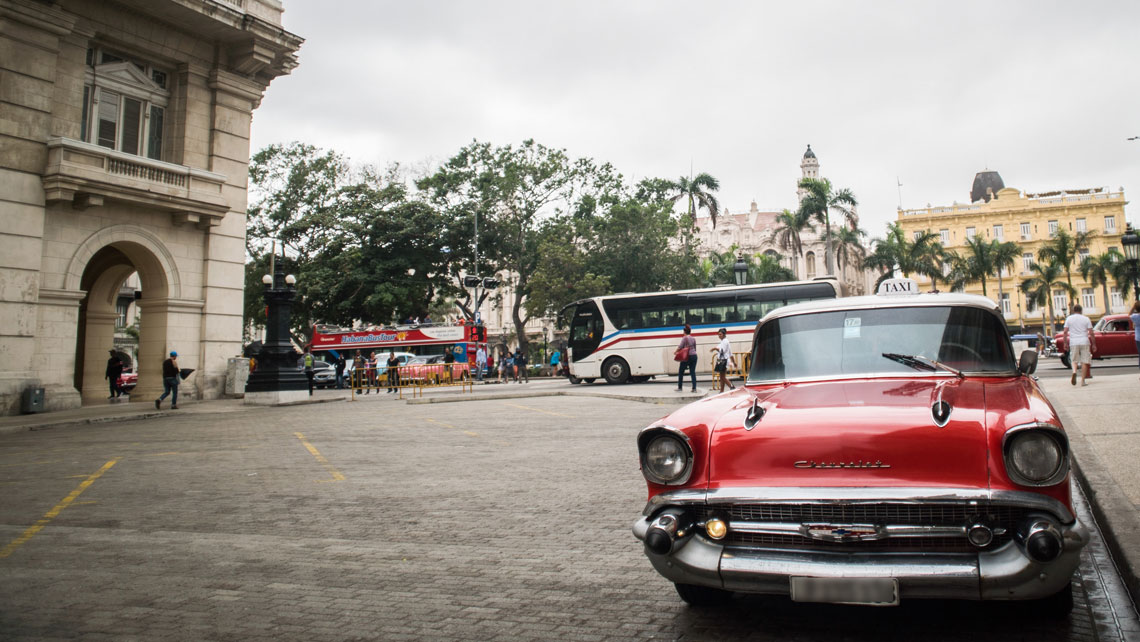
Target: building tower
{"x":809,"y":166}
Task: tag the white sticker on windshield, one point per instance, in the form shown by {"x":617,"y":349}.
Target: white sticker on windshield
{"x":851,"y":327}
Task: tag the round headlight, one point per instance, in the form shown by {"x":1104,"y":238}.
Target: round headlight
{"x":666,"y":459}
{"x":1035,"y":457}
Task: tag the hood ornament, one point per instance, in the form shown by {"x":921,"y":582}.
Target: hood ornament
{"x":940,"y":411}
{"x":755,"y":414}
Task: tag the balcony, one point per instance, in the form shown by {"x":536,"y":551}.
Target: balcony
{"x":84,"y":175}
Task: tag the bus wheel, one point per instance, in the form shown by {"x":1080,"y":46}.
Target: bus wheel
{"x":575,"y":380}
{"x":615,"y":370}
{"x":588,"y":380}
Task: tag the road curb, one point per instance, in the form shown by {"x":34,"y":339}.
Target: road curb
{"x":679,"y":399}
{"x":1114,"y":513}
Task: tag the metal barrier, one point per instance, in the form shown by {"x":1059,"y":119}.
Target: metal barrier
{"x":412,"y":378}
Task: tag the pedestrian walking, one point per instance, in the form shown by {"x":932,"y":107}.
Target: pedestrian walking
{"x":555,"y":360}
{"x":114,"y":371}
{"x":723,"y":352}
{"x":504,"y":365}
{"x":340,"y":365}
{"x":521,"y":375}
{"x":370,"y":378}
{"x":393,"y":373}
{"x":480,"y":362}
{"x":1134,"y":314}
{"x":686,"y":355}
{"x":169,"y":382}
{"x":308,"y":361}
{"x":1082,"y":342}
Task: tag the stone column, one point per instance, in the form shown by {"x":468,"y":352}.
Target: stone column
{"x":56,"y":327}
{"x":100,"y":337}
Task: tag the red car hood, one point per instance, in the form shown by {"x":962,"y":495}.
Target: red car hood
{"x":863,"y":433}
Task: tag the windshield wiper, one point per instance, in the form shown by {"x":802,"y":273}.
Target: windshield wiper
{"x":919,"y":362}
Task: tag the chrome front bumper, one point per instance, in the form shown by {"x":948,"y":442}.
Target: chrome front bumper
{"x":1005,"y":573}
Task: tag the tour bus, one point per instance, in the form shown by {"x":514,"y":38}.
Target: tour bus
{"x":632,"y":337}
{"x":462,"y":340}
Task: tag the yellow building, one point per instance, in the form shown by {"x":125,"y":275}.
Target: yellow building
{"x":1030,"y":220}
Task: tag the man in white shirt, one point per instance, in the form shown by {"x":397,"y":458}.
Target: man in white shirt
{"x":480,"y":362}
{"x":1082,"y":342}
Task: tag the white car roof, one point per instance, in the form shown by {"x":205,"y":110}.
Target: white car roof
{"x":880,"y":301}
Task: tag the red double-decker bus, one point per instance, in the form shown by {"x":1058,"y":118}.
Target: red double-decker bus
{"x":462,"y":340}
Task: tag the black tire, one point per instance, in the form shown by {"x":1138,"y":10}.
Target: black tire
{"x":639,"y":379}
{"x":1065,"y":360}
{"x":588,"y":380}
{"x":615,"y":370}
{"x":574,"y":380}
{"x":702,"y":595}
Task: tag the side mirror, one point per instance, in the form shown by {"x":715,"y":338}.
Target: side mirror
{"x":1027,"y":365}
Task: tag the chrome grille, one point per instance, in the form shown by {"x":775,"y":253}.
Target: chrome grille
{"x":882,"y":514}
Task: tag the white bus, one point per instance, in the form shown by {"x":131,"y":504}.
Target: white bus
{"x":632,"y":337}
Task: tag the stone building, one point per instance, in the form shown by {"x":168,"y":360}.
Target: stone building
{"x":754,"y":232}
{"x":1030,"y":220}
{"x":124,"y":146}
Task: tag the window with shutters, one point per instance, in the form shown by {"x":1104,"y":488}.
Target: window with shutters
{"x":124,"y":104}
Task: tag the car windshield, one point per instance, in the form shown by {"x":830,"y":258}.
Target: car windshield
{"x":888,"y":341}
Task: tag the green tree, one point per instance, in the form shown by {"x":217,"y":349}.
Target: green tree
{"x":764,"y":268}
{"x":819,"y":201}
{"x":1005,"y":256}
{"x":848,"y":243}
{"x":1097,"y":270}
{"x":790,"y":228}
{"x":1063,"y":250}
{"x":1039,"y":287}
{"x":512,"y":190}
{"x":1127,"y":273}
{"x":895,"y":252}
{"x":698,"y":191}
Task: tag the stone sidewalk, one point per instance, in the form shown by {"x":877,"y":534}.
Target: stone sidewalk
{"x":1103,"y":424}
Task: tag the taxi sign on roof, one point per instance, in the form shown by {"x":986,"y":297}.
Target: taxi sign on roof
{"x":898,"y":286}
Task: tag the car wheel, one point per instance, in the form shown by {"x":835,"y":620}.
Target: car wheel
{"x":1065,"y":360}
{"x":615,"y":370}
{"x":702,"y":595}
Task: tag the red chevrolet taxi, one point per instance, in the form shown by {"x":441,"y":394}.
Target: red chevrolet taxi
{"x":884,"y":448}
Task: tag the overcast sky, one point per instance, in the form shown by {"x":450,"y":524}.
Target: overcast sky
{"x":926,"y":93}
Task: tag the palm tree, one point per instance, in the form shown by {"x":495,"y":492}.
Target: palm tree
{"x":1039,"y":287}
{"x":699,"y":190}
{"x":934,"y":260}
{"x":1127,"y":273}
{"x":980,"y":260}
{"x":1098,"y":269}
{"x":1005,"y":256}
{"x":849,"y":247}
{"x":790,"y":227}
{"x":820,"y":199}
{"x":894,"y":252}
{"x":1062,"y":250}
{"x":767,"y":269}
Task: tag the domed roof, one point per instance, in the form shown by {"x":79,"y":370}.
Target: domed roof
{"x":809,"y":153}
{"x":986,"y":186}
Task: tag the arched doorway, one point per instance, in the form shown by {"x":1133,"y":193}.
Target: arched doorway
{"x":111,"y":259}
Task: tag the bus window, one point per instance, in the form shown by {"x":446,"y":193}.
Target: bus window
{"x":719,"y":313}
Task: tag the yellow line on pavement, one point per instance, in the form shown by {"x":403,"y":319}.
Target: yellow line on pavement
{"x":321,"y":458}
{"x":56,"y":510}
{"x":442,"y":423}
{"x":545,"y":412}
{"x":471,"y":434}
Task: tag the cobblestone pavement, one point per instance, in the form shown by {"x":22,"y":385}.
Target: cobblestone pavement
{"x":488,"y":520}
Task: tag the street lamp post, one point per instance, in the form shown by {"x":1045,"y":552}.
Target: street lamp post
{"x":277,"y":378}
{"x":1131,"y":242}
{"x":740,"y":270}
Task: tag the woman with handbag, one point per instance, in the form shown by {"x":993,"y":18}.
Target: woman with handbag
{"x":686,"y":355}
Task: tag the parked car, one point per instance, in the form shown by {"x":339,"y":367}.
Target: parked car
{"x":324,"y":374}
{"x":128,"y":380}
{"x":883,"y":448}
{"x":432,"y":369}
{"x":1115,"y":337}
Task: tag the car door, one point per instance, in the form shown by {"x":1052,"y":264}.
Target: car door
{"x":1118,"y":339}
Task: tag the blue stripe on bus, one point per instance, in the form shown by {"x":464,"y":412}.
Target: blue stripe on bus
{"x":677,"y":328}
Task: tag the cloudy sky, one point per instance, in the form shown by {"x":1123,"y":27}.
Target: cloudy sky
{"x":926,"y":93}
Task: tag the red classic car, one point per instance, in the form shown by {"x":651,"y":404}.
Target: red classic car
{"x":128,"y":381}
{"x":883,"y":448}
{"x":1114,"y":334}
{"x":431,"y":369}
